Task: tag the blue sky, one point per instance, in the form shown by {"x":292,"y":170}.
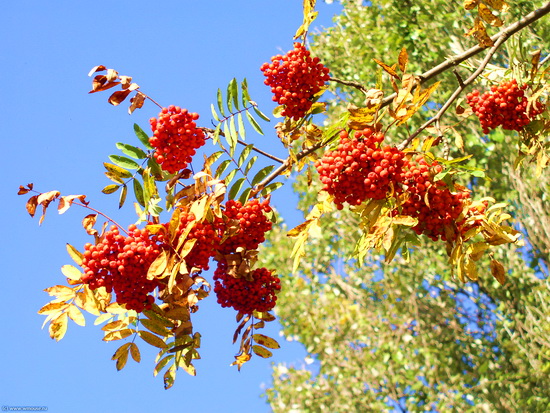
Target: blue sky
{"x":56,"y":135}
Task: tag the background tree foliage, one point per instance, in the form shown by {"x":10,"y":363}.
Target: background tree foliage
{"x":405,"y":333}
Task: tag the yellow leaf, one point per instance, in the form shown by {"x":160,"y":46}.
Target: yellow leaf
{"x":52,"y":308}
{"x":158,"y":266}
{"x":299,"y":229}
{"x":388,"y":69}
{"x":309,"y":16}
{"x":403,"y":60}
{"x":121,"y":350}
{"x":88,"y":304}
{"x":115,"y":325}
{"x":404,"y":220}
{"x":262,"y":352}
{"x":498,"y":5}
{"x":154,"y":326}
{"x":62,"y":292}
{"x":470,"y":4}
{"x":488,"y":16}
{"x":152,"y":339}
{"x":265,"y":341}
{"x":477,"y":249}
{"x":58,"y":327}
{"x":121,"y":361}
{"x":118,"y":335}
{"x":178,"y":313}
{"x":71,"y":272}
{"x":116,"y":308}
{"x":240,"y":360}
{"x":134,"y":351}
{"x":360,"y":118}
{"x":471,"y":269}
{"x":480,"y":34}
{"x":75,"y":254}
{"x":76,"y":315}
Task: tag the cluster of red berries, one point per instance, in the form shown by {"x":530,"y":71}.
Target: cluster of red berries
{"x":253,"y":224}
{"x":430,"y":201}
{"x":294,"y":79}
{"x":360,"y":168}
{"x":259,"y":294}
{"x":120,"y":264}
{"x":504,"y":105}
{"x":207,"y":237}
{"x":175,"y":138}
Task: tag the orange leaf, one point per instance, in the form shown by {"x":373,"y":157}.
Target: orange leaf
{"x":403,"y":60}
{"x":480,"y":34}
{"x":118,"y":97}
{"x":470,"y":4}
{"x":497,"y":270}
{"x":100,"y":68}
{"x":31,"y":205}
{"x":389,"y":69}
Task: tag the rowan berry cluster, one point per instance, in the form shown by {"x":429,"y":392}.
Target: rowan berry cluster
{"x":360,"y":168}
{"x":294,"y":79}
{"x":207,"y":242}
{"x":175,"y":138}
{"x":430,"y":201}
{"x":504,"y":105}
{"x":120,"y":264}
{"x":253,"y":224}
{"x":243,"y":295}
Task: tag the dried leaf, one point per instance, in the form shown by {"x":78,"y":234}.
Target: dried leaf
{"x":136,"y":102}
{"x":118,"y":97}
{"x":480,"y":34}
{"x":31,"y":205}
{"x":389,"y":69}
{"x":88,"y":223}
{"x":497,"y":270}
{"x":470,"y":4}
{"x":403,"y":60}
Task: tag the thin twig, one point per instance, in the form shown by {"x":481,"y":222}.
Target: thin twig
{"x":266,"y":154}
{"x":456,"y":93}
{"x":356,"y":85}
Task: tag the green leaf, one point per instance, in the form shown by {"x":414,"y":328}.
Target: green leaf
{"x":213,"y":158}
{"x":254,"y":124}
{"x":234,"y":92}
{"x":271,"y":187}
{"x":250,"y":163}
{"x":234,"y":190}
{"x":109,"y":189}
{"x":132,"y":151}
{"x":122,"y":197}
{"x":242,"y":130}
{"x":262,"y":173}
{"x":214,"y":113}
{"x":245,"y":195}
{"x":230,"y":176}
{"x":152,"y":339}
{"x":260,"y":113}
{"x":244,"y":154}
{"x":229,"y":98}
{"x":155,"y":169}
{"x":220,"y":102}
{"x":142,"y":136}
{"x":221,"y":168}
{"x":117,"y":171}
{"x":138,"y":192}
{"x":124,"y":162}
{"x":245,"y":99}
{"x":234,"y":135}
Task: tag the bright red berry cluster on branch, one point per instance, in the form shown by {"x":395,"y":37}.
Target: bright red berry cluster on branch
{"x":253,"y":224}
{"x":207,"y":242}
{"x":360,"y":168}
{"x":120,"y":264}
{"x":505,"y":105}
{"x":175,"y":138}
{"x":243,"y":295}
{"x":430,"y":201}
{"x":294,"y":79}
